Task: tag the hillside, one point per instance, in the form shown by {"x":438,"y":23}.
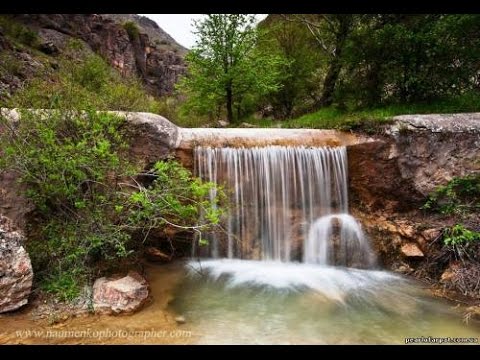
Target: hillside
{"x":31,"y":43}
{"x":156,"y":34}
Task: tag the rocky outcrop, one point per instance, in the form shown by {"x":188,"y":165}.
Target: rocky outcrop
{"x":419,"y":152}
{"x":120,"y":295}
{"x":390,"y":179}
{"x":157,"y":63}
{"x":154,"y":137}
{"x":16,"y":273}
{"x":411,"y":250}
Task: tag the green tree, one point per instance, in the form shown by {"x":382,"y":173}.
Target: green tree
{"x":299,"y":74}
{"x":331,"y":31}
{"x":411,"y":58}
{"x":226,"y":67}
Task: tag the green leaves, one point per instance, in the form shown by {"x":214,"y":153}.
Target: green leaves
{"x":460,"y":195}
{"x":459,"y":235}
{"x":225,"y":69}
{"x":175,"y":197}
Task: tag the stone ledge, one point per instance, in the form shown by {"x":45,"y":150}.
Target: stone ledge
{"x":448,"y":123}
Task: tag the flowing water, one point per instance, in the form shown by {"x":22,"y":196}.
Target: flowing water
{"x":276,"y":193}
{"x":293,"y":266}
{"x":232,"y":301}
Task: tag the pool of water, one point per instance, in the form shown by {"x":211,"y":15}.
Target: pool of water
{"x":252,"y":302}
{"x":255,"y":302}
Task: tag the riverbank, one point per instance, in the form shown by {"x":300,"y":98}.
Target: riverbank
{"x":154,"y":324}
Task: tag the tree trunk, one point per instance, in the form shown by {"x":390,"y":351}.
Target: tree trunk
{"x":330,"y":82}
{"x":335,"y":65}
{"x":229,"y":99}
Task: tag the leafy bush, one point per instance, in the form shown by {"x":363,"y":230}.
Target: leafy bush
{"x":459,"y":235}
{"x":84,"y":81}
{"x":19,"y":31}
{"x":459,"y":195}
{"x":88,"y":203}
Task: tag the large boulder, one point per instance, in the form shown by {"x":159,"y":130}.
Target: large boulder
{"x":118,"y":295}
{"x":16,"y":272}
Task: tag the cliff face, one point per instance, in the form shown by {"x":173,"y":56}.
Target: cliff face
{"x":151,"y":54}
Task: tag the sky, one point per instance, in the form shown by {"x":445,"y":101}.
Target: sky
{"x":180,"y":26}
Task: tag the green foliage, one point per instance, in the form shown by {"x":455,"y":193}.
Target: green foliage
{"x":459,"y":235}
{"x":175,"y":199}
{"x":371,"y":119}
{"x":460,"y":195}
{"x":132,"y":29}
{"x":373,"y":61}
{"x":84,"y":81}
{"x":9,"y":65}
{"x":70,"y":163}
{"x":75,"y":170}
{"x":410,"y":58}
{"x":18,"y":31}
{"x":226,"y":70}
{"x":299,"y":73}
{"x":63,"y":285}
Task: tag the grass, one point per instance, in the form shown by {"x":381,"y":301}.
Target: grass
{"x":369,"y":119}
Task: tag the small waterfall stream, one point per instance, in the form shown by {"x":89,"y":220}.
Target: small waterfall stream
{"x":293,"y":266}
{"x":288,"y":203}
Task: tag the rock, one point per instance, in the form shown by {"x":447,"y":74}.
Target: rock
{"x":16,"y":272}
{"x":411,"y":250}
{"x":247,"y":125}
{"x":454,"y":123}
{"x":450,"y":273}
{"x":120,"y":294}
{"x":404,"y":269}
{"x":155,"y":255}
{"x":223,"y":123}
{"x":155,"y":135}
{"x":180,"y":320}
{"x":412,"y":164}
{"x":406,"y":230}
{"x":48,"y":48}
{"x":431,"y":234}
{"x":159,"y":67}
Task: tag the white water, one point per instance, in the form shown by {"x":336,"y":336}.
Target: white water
{"x":333,"y":283}
{"x":288,"y":203}
{"x":293,"y":266}
{"x":233,"y":301}
{"x":352,"y":248}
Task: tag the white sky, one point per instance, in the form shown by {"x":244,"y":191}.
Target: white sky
{"x":180,"y":26}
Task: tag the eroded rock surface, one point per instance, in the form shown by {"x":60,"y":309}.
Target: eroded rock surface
{"x":16,"y":272}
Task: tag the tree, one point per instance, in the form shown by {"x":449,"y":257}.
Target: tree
{"x":225,"y":66}
{"x":331,"y":32}
{"x":300,"y":72}
{"x":411,"y":57}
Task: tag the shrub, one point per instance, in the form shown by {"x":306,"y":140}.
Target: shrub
{"x":459,"y":235}
{"x":88,"y":205}
{"x":132,"y":29}
{"x":84,"y":81}
{"x":18,"y":31}
{"x":459,"y":195}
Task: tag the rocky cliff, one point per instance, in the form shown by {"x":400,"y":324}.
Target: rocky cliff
{"x":148,"y":52}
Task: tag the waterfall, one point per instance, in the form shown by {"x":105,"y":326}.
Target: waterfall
{"x":284,"y":202}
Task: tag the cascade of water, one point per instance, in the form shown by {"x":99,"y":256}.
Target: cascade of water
{"x":277,"y":193}
{"x":338,"y":239}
